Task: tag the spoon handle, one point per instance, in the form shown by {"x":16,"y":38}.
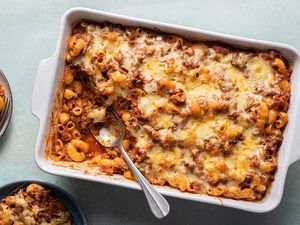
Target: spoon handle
{"x":158,"y":204}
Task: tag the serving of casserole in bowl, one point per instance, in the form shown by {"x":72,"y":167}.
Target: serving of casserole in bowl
{"x":206,"y":114}
{"x":36,"y":202}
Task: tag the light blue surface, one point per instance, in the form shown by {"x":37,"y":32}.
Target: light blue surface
{"x":28,"y":33}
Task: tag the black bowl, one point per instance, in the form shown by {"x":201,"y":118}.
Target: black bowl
{"x":69,"y":202}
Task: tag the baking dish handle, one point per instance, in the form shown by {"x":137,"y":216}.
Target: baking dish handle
{"x":295,"y":156}
{"x":42,"y":87}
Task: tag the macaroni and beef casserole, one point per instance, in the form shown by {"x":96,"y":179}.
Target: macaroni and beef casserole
{"x":33,"y":205}
{"x":200,"y":117}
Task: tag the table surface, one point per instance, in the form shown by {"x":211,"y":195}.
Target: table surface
{"x":28,"y":33}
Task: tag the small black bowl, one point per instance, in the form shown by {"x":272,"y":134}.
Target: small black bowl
{"x":69,"y":202}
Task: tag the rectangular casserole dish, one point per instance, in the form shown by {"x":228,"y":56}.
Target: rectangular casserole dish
{"x":51,"y":69}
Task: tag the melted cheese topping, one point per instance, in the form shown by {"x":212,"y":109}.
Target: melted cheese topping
{"x":192,"y":111}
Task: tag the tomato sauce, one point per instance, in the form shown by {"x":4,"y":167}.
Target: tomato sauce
{"x":95,"y":147}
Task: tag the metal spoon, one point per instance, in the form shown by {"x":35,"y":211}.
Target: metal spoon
{"x":112,"y":136}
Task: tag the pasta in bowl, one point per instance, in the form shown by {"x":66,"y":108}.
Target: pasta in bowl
{"x":33,"y":205}
{"x":2,"y":97}
{"x":200,"y":117}
{"x":6,"y":103}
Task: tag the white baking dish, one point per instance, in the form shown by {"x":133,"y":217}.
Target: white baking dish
{"x":50,"y":71}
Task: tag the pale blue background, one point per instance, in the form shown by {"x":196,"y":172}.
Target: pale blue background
{"x":28,"y":33}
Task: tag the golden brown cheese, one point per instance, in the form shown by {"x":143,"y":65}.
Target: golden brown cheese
{"x":200,"y":117}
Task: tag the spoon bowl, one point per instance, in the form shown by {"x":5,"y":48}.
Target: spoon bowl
{"x":110,"y":136}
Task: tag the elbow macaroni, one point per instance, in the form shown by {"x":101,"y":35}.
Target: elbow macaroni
{"x":74,"y":154}
{"x":282,"y":120}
